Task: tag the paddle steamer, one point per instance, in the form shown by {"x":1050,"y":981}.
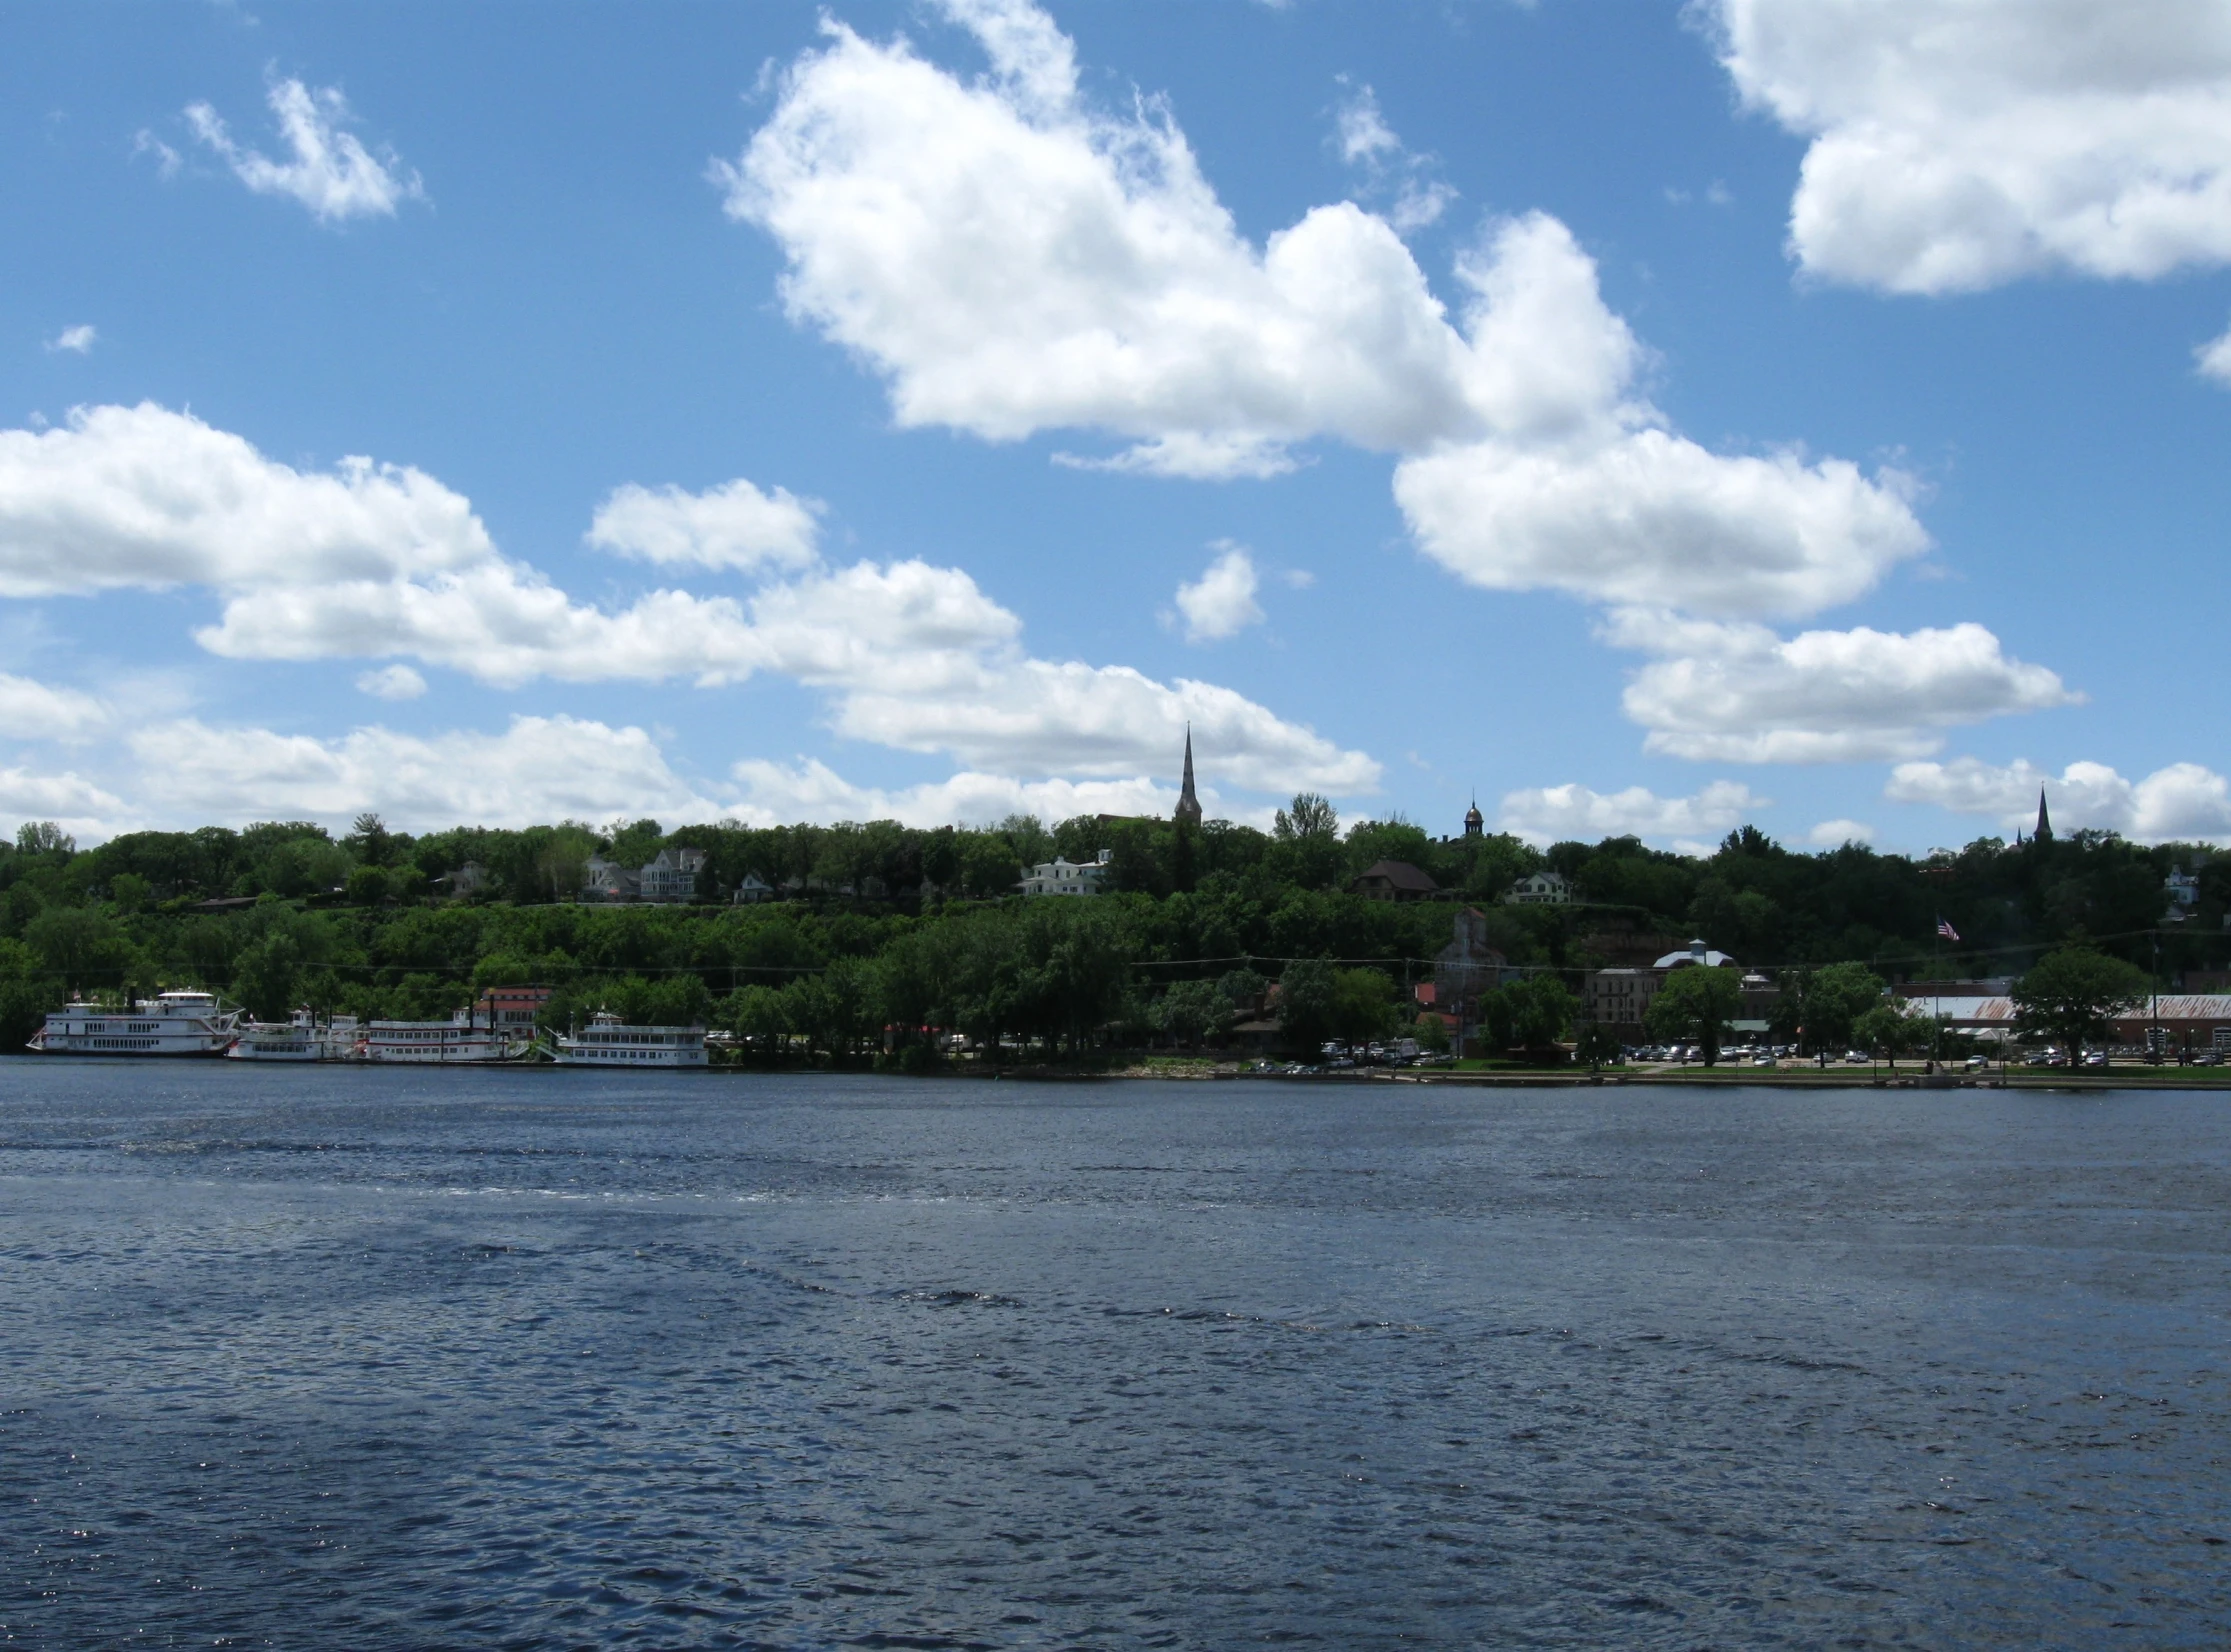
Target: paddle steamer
{"x":170,"y":1023}
{"x":608,"y":1041}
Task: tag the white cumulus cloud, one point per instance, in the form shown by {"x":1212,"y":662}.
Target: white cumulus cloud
{"x":1386,"y":166}
{"x":735,"y":525}
{"x":1959,"y":144}
{"x":39,"y":711}
{"x":2182,"y":802}
{"x":1221,"y":603}
{"x":77,"y":340}
{"x":539,"y":769}
{"x":77,"y":805}
{"x":141,"y":496}
{"x":775,"y":794}
{"x":1549,"y":814}
{"x":1737,"y":693}
{"x":1579,"y":487}
{"x":391,"y":682}
{"x":1834,"y":834}
{"x":1046,"y":718}
{"x":2214,"y":358}
{"x":375,"y":561}
{"x":327,"y":168}
{"x":1012,"y":259}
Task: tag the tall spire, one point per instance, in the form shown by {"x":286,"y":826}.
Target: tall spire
{"x":1188,"y":806}
{"x":2044,"y":832}
{"x":1474,"y":824}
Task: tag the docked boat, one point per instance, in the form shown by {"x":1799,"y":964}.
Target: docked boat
{"x":607,"y":1041}
{"x":170,"y":1023}
{"x":299,"y":1038}
{"x":464,"y":1037}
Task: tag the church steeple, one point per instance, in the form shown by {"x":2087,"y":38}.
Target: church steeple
{"x":2044,"y":832}
{"x":1188,"y":806}
{"x":1474,"y":822}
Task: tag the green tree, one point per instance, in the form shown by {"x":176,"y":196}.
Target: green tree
{"x":1829,"y":1002}
{"x":2071,"y":996}
{"x":26,"y":994}
{"x":559,"y":864}
{"x":1887,"y":1031}
{"x":1190,"y":1011}
{"x":80,"y":947}
{"x":1363,"y":1005}
{"x":371,"y":842}
{"x":1432,"y":1034}
{"x":43,"y":837}
{"x":1308,"y":816}
{"x":1596,"y":1045}
{"x":1308,"y":1005}
{"x":1542,"y":1009}
{"x":269,"y":973}
{"x":1307,"y":851}
{"x":368,"y":886}
{"x":760,"y":1016}
{"x":1695,"y":1006}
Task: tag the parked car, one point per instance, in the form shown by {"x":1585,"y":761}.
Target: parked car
{"x":1856,"y":1058}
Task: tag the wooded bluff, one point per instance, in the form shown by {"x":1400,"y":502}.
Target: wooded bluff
{"x":880,"y":924}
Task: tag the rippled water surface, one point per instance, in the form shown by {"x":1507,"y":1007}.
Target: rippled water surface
{"x":520,"y":1359}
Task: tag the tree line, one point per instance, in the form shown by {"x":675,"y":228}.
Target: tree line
{"x":883,"y":926}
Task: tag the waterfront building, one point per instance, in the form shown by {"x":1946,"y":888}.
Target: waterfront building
{"x":514,"y":1009}
{"x":2186,"y":1020}
{"x":1467,"y":966}
{"x":1618,"y":999}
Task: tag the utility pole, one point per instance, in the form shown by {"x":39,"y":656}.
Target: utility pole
{"x":2153,"y":1014}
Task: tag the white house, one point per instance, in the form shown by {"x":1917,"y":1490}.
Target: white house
{"x":467,"y":879}
{"x":672,"y":875}
{"x":2183,"y":891}
{"x":1066,"y":877}
{"x":753,"y":890}
{"x":1542,"y":889}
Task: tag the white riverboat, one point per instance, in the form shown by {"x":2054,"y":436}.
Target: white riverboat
{"x":464,"y":1037}
{"x":607,"y":1041}
{"x":170,"y":1023}
{"x":299,"y":1038}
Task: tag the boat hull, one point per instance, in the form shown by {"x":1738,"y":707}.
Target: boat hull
{"x":125,"y":1044}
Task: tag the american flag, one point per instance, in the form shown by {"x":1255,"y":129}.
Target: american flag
{"x":1947,"y":931}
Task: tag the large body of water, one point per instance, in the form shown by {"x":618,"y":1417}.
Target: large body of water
{"x":517,"y":1359}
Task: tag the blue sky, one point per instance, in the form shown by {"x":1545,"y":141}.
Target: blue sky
{"x":1648,"y":419}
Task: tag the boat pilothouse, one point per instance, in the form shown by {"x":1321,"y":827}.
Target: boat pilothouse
{"x":607,"y":1041}
{"x":170,"y":1023}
